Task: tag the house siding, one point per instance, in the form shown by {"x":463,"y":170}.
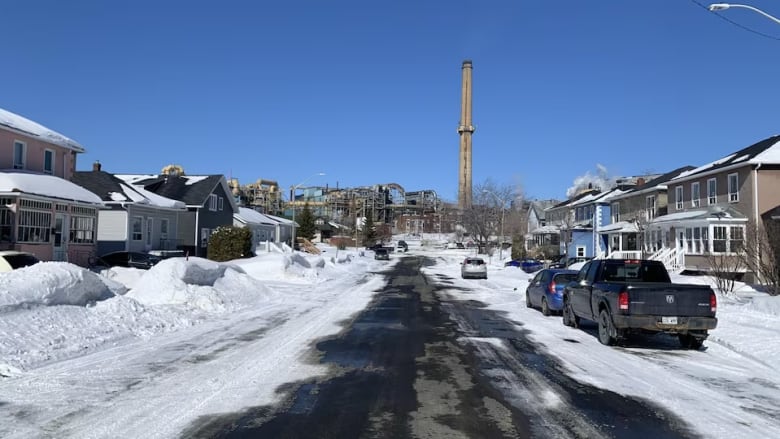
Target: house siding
{"x":744,"y":205}
{"x":768,"y":183}
{"x":64,"y":158}
{"x":113,"y":226}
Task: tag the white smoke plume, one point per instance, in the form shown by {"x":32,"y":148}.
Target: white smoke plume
{"x":601,"y":180}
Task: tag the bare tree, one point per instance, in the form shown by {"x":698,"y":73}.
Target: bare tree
{"x":488,"y":212}
{"x":724,"y":269}
{"x":761,"y":253}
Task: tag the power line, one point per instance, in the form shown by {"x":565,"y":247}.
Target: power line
{"x":741,"y":26}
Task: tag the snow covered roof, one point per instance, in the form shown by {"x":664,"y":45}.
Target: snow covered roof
{"x":44,"y":185}
{"x":715,"y":213}
{"x":36,"y":130}
{"x":252,"y":216}
{"x":766,"y":151}
{"x":545,"y":230}
{"x":620,"y":227}
{"x":115,"y":190}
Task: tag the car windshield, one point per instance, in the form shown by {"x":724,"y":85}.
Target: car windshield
{"x":564,"y":278}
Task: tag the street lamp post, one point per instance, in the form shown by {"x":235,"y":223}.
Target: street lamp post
{"x":501,"y":239}
{"x":292,"y":202}
{"x":715,"y":7}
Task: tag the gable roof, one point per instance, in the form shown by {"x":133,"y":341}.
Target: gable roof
{"x":766,"y":151}
{"x":14,"y":122}
{"x":251,"y":216}
{"x":113,"y":190}
{"x":658,"y":183}
{"x":193,"y":190}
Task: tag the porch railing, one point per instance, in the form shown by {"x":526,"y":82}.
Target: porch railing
{"x":625,"y":254}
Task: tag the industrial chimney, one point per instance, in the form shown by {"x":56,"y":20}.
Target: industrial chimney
{"x":465,"y":130}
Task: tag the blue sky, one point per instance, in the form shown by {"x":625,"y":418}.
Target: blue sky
{"x":368,"y":92}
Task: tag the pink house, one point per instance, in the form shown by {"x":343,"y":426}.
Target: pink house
{"x":41,"y":211}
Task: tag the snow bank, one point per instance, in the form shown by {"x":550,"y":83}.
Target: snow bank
{"x":54,"y":283}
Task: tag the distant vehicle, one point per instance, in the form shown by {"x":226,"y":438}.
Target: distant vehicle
{"x":402,"y":246}
{"x":473,"y":267}
{"x":527,"y":265}
{"x":126,"y":259}
{"x":11,"y":260}
{"x":567,"y":262}
{"x":626,"y":295}
{"x":546,"y":289}
{"x":382,"y":253}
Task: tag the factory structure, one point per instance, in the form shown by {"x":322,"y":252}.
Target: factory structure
{"x":420,"y":211}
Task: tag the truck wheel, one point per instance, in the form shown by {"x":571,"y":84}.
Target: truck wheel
{"x":690,"y":341}
{"x":545,"y":307}
{"x":528,"y":300}
{"x":606,"y":330}
{"x":569,"y":319}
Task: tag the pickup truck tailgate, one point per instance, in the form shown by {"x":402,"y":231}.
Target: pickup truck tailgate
{"x":679,"y":300}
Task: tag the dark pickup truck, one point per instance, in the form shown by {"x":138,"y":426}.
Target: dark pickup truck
{"x":624,"y":295}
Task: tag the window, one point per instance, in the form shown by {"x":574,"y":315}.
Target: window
{"x":213,"y":203}
{"x":149,"y":229}
{"x":650,"y":207}
{"x":580,"y":251}
{"x":678,"y":197}
{"x":733,"y":188}
{"x":164,"y":228}
{"x":695,"y":194}
{"x":719,"y":239}
{"x":48,"y":161}
{"x":615,"y":212}
{"x":138,"y":228}
{"x":82,"y":229}
{"x":34,"y":221}
{"x":6,"y":219}
{"x":736,"y":238}
{"x":712,"y":191}
{"x":221,"y":203}
{"x":20,"y":154}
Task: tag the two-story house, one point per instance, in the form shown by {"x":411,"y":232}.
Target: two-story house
{"x":41,"y":211}
{"x":208,"y":199}
{"x":710,"y":206}
{"x":632,"y":211}
{"x":134,"y":219}
{"x":541,"y":239}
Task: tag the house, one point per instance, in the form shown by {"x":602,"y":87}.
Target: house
{"x":208,"y":200}
{"x":41,"y":211}
{"x":630,"y":213}
{"x":263,"y":228}
{"x":134,"y":219}
{"x":711,"y":206}
{"x":539,"y":236}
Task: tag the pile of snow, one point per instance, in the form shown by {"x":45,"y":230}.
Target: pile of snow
{"x":54,"y":283}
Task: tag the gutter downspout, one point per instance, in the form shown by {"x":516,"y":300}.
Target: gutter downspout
{"x":755,"y":208}
{"x":197,"y":242}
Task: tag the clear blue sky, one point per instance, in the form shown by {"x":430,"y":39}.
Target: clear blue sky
{"x":369,"y":91}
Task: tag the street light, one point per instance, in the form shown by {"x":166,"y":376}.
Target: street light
{"x":500,"y":240}
{"x":715,"y":7}
{"x":292,"y":201}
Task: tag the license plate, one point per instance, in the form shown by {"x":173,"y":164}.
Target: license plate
{"x":669,"y":320}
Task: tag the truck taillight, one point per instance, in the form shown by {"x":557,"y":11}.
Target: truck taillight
{"x":552,"y":287}
{"x":623,"y":300}
{"x":713,"y":303}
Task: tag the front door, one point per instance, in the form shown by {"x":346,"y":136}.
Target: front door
{"x":60,"y":237}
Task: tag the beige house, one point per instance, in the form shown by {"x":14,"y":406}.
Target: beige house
{"x":632,"y":211}
{"x":41,"y":211}
{"x":710,"y":206}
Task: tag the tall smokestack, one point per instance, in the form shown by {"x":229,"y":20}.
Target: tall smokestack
{"x":465,"y":130}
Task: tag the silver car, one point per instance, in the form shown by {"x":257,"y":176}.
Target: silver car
{"x":473,"y":267}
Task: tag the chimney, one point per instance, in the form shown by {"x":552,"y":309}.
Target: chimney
{"x":640,"y":182}
{"x":96,"y":166}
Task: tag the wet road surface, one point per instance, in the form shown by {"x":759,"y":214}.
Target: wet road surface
{"x":415,"y":365}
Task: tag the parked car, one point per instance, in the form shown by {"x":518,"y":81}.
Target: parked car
{"x":527,"y":265}
{"x":567,"y":262}
{"x":382,"y":253}
{"x":12,"y":259}
{"x":402,"y":246}
{"x":473,"y":267}
{"x":624,"y":296}
{"x":126,"y":259}
{"x":546,"y":289}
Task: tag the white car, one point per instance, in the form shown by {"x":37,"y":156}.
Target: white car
{"x":473,"y":267}
{"x":12,"y":259}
